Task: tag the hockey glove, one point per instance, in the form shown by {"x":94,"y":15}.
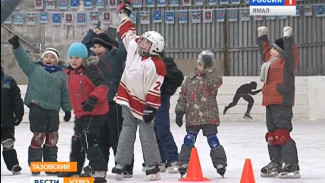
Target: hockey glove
{"x":287,"y":31}
{"x":14,"y":41}
{"x":179,"y":119}
{"x":67,"y":116}
{"x":89,"y":104}
{"x":18,"y":121}
{"x":125,"y":6}
{"x":148,"y":114}
{"x":261,"y":31}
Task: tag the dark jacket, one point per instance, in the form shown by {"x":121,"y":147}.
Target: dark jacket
{"x":173,"y":79}
{"x":111,"y":64}
{"x":12,"y":106}
{"x":83,"y":83}
{"x":279,"y":87}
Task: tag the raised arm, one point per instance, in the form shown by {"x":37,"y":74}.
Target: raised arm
{"x":263,"y":43}
{"x":290,"y":54}
{"x":25,"y":61}
{"x":127,"y":28}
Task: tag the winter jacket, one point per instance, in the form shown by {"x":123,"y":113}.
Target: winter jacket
{"x":12,"y":106}
{"x":173,"y":79}
{"x":142,"y":77}
{"x":111,"y":64}
{"x":279,"y":87}
{"x":83,"y":83}
{"x":45,"y":89}
{"x":198,"y":98}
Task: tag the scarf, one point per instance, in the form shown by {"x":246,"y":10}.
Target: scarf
{"x":51,"y":68}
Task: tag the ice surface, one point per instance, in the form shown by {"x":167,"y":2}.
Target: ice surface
{"x":241,"y":140}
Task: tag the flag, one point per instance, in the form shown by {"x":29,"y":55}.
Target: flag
{"x":207,"y":15}
{"x":157,"y":16}
{"x":161,"y":3}
{"x":56,"y":18}
{"x":232,"y":14}
{"x":43,"y":18}
{"x":220,"y":15}
{"x":182,"y":16}
{"x":196,"y":16}
{"x":88,"y":4}
{"x":68,"y":18}
{"x":74,"y":4}
{"x":174,"y":2}
{"x":169,"y":16}
{"x":63,"y":4}
{"x":320,"y":10}
{"x":136,"y":3}
{"x":150,"y":3}
{"x":308,"y":10}
{"x":100,"y":4}
{"x":244,"y":14}
{"x":38,"y":4}
{"x":50,"y":4}
{"x":81,"y":18}
{"x":144,"y":17}
{"x":30,"y":18}
{"x":19,"y":18}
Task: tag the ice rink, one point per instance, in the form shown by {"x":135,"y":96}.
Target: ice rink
{"x":241,"y":140}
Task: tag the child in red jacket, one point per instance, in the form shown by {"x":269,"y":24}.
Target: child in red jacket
{"x":88,"y":91}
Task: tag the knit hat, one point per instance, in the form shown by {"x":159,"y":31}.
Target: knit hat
{"x":206,"y":57}
{"x":278,"y":45}
{"x":53,"y":51}
{"x":78,"y":50}
{"x":104,"y":40}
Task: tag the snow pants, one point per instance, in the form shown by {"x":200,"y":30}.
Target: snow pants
{"x":125,"y":147}
{"x":279,"y":117}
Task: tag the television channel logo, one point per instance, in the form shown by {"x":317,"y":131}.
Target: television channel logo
{"x":272,"y":7}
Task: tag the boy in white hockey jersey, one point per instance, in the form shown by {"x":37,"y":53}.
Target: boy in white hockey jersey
{"x":139,"y":94}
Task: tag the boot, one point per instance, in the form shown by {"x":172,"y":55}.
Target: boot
{"x":16,"y":170}
{"x":118,"y":171}
{"x":247,"y":116}
{"x":290,"y":170}
{"x":221,"y":170}
{"x":171,"y":167}
{"x":271,"y":170}
{"x":153,"y":172}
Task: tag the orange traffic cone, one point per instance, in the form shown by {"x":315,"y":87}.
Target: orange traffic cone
{"x":248,"y":175}
{"x":194,"y":172}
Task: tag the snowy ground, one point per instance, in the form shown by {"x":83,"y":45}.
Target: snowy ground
{"x":241,"y":140}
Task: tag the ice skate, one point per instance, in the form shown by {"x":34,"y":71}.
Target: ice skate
{"x":183,"y":169}
{"x":171,"y":167}
{"x":87,"y":172}
{"x":99,"y":176}
{"x":51,"y":173}
{"x":118,"y":171}
{"x":144,"y":167}
{"x":68,"y":174}
{"x":221,"y":170}
{"x":128,"y":172}
{"x":247,"y":116}
{"x":153,"y":172}
{"x":16,"y":170}
{"x":290,"y":171}
{"x":271,"y":170}
{"x":162,"y":167}
{"x":36,"y":173}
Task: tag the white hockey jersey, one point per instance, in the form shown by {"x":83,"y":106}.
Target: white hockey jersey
{"x":142,"y":77}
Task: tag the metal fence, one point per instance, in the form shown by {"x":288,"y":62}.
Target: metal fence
{"x":235,"y":42}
